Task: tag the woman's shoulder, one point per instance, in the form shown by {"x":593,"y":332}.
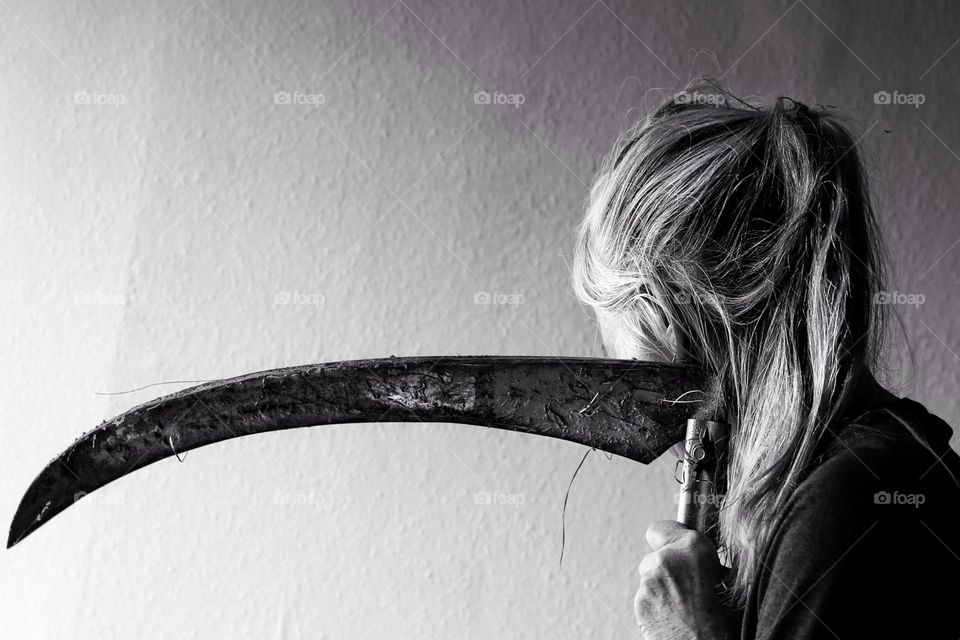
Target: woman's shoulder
{"x":891,"y":474}
{"x":889,"y":442}
{"x":888,"y":472}
{"x":866,"y":525}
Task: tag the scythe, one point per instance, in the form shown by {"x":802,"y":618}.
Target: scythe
{"x":625,"y":407}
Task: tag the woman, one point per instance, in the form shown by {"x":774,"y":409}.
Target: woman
{"x":742,"y":238}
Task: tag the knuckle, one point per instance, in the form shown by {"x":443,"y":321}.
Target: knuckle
{"x":669,"y":561}
{"x":690,"y":539}
{"x":652,"y":583}
{"x":696,"y":544}
{"x":651,"y":562}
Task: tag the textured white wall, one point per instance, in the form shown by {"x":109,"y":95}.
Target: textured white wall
{"x":148,"y":241}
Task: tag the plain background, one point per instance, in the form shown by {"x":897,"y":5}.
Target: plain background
{"x":166,"y":219}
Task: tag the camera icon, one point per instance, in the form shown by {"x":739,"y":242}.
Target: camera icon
{"x":281,"y":97}
{"x":81,"y":97}
{"x":481,"y":97}
{"x":481,"y":297}
{"x":482,"y":497}
{"x":881,"y":297}
{"x":881,"y":497}
{"x":682,"y":298}
{"x":881,"y":97}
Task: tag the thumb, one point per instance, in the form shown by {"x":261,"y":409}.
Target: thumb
{"x":664,"y":532}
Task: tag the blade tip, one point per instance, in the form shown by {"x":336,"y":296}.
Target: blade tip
{"x":14,"y":537}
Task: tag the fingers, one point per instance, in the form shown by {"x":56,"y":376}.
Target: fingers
{"x":660,"y":561}
{"x":650,"y":561}
{"x":665,"y":532}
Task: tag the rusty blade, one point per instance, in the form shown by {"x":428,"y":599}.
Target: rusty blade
{"x":633,"y":409}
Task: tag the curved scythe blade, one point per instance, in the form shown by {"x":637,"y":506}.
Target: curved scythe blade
{"x":630,"y":408}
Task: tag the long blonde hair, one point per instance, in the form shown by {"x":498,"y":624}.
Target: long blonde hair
{"x":746,"y":232}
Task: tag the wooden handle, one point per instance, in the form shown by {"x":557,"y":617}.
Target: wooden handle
{"x":702,"y":486}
